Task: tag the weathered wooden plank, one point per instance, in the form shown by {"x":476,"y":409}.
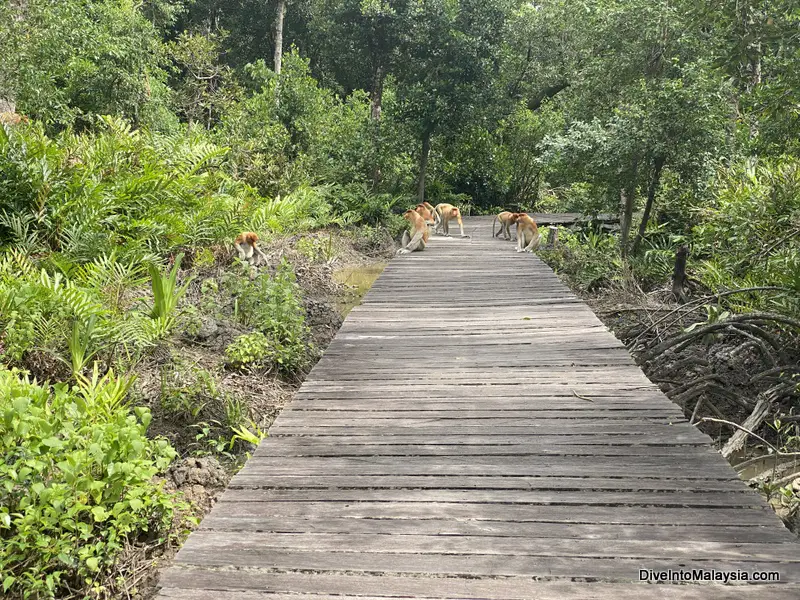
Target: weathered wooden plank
{"x":285,"y":448}
{"x":634,"y":515}
{"x":702,"y":464}
{"x":222,"y":552}
{"x":490,"y":545}
{"x":588,"y":483}
{"x":665,"y":437}
{"x":619,"y":531}
{"x":725,"y":499}
{"x":644,"y":427}
{"x":609,"y":592}
{"x":347,"y":586}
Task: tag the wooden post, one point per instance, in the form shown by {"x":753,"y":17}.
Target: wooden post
{"x":552,"y":237}
{"x":679,"y":274}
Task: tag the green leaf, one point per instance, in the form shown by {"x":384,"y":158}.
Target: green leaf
{"x":8,"y":581}
{"x":93,"y":563}
{"x":53,"y":442}
{"x":99,"y":513}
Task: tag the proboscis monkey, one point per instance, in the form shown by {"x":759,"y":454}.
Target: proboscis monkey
{"x":12,"y":118}
{"x":527,"y":233}
{"x":506,"y":219}
{"x":445,"y":212}
{"x":417,"y":241}
{"x":429,"y":206}
{"x":425,"y":213}
{"x":246,"y":245}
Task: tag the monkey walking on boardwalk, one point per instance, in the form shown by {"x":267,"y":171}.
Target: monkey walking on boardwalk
{"x":443,"y":214}
{"x":506,"y":220}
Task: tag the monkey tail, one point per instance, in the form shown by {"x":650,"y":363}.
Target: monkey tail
{"x":494,"y":221}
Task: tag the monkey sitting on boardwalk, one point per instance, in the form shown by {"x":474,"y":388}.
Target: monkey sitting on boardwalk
{"x":419,"y":238}
{"x":527,"y":233}
{"x":425,"y":213}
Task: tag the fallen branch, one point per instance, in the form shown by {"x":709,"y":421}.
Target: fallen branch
{"x":759,"y":343}
{"x":697,"y":406}
{"x":775,"y":371}
{"x":755,"y":435}
{"x":787,"y":479}
{"x":754,"y":420}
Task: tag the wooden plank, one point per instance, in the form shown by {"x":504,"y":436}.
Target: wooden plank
{"x":505,"y":546}
{"x":221,"y":552}
{"x":620,"y":531}
{"x":286,"y":448}
{"x":726,"y":499}
{"x":665,"y":437}
{"x":243,"y":479}
{"x":347,"y":586}
{"x":633,"y":515}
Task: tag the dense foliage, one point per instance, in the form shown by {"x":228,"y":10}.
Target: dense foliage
{"x":137,"y":139}
{"x":77,"y":472}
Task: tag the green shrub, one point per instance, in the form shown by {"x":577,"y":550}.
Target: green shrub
{"x":77,"y":474}
{"x":249,"y":350}
{"x":166,"y":293}
{"x":273,"y":306}
{"x":591,"y":260}
{"x":190,"y":321}
{"x":187,"y":390}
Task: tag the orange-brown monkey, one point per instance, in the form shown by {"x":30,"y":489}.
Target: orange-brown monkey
{"x":417,"y":241}
{"x":506,"y":219}
{"x":527,"y":233}
{"x":12,"y":118}
{"x":246,"y":245}
{"x":443,"y":213}
{"x":425,"y":213}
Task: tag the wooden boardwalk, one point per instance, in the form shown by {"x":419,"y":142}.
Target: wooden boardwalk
{"x":474,"y":431}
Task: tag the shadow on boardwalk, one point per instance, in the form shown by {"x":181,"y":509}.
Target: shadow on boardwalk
{"x":473,"y":431}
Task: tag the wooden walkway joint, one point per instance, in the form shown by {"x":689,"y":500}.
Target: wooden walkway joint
{"x":474,"y":431}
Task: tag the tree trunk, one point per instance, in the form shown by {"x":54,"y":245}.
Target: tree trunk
{"x":658,"y":164}
{"x":279,"y":35}
{"x":377,"y":93}
{"x":376,"y":100}
{"x":679,"y":274}
{"x":628,"y":200}
{"x":423,"y":163}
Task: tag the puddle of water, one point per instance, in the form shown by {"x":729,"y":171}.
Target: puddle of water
{"x":359,"y":280}
{"x":765,"y":463}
